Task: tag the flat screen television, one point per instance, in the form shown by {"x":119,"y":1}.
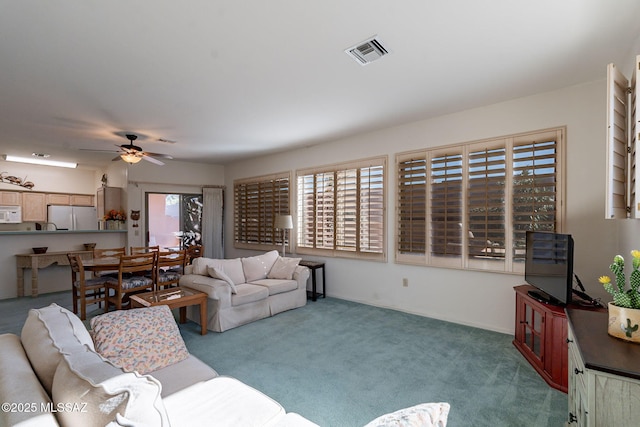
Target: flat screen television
{"x":549,"y":266}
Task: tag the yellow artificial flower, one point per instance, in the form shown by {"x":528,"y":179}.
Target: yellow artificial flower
{"x":635,"y":253}
{"x":604,"y":280}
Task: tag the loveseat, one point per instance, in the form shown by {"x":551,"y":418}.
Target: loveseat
{"x":243,"y":290}
{"x":132,"y":369}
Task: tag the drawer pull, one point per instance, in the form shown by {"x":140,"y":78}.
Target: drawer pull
{"x":578,"y":371}
{"x":572,"y":418}
{"x":569,"y":341}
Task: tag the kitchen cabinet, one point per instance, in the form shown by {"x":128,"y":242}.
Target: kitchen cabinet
{"x":10,"y":198}
{"x":57,"y":199}
{"x":108,"y":198}
{"x":81,"y":200}
{"x":69,"y":199}
{"x":34,"y":207}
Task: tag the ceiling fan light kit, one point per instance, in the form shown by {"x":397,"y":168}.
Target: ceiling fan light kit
{"x":130,"y":158}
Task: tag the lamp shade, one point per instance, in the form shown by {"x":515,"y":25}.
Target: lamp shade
{"x":130,"y":158}
{"x":283,"y":222}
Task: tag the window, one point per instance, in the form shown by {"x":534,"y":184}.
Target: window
{"x":469,"y":206}
{"x":623,"y":181}
{"x":257,"y":201}
{"x":341,"y":210}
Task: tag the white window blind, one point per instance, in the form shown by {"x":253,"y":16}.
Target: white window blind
{"x":341,"y":209}
{"x":469,"y":206}
{"x":256,"y":203}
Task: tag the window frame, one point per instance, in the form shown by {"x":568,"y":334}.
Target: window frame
{"x":507,"y":259}
{"x":269,"y":204}
{"x":324,"y":241}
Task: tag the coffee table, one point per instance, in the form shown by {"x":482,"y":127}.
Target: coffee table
{"x":175,"y":298}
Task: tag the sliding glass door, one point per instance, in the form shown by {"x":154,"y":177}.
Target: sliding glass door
{"x":174,"y":221}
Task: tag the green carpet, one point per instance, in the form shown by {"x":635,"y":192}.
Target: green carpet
{"x":340,"y":363}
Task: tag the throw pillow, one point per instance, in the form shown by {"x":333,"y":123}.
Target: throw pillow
{"x":283,"y":268}
{"x":142,"y":339}
{"x":217,"y":273}
{"x":423,"y":415}
{"x":46,"y":333}
{"x":94,"y":391}
{"x":258,"y":267}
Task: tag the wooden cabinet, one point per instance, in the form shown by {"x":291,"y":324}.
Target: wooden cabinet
{"x":604,"y":374}
{"x":540,"y":335}
{"x":108,"y":198}
{"x":34,"y":207}
{"x":81,"y":200}
{"x":58,"y":199}
{"x":70,"y":199}
{"x":10,"y":198}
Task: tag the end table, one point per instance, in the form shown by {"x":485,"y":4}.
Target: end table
{"x":314,"y":266}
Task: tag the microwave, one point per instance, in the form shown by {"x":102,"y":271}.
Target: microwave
{"x":10,"y":214}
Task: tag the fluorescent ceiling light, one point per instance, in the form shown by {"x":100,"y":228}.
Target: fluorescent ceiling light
{"x":38,"y":161}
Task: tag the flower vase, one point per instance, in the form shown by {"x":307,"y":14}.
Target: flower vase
{"x":624,"y":323}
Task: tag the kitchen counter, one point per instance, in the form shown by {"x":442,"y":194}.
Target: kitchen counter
{"x":39,"y":232}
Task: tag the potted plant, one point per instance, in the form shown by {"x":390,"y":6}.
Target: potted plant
{"x":624,"y":310}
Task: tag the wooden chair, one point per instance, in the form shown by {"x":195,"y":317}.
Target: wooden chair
{"x":170,"y":266}
{"x":193,"y":251}
{"x":108,"y":253}
{"x":86,"y":291}
{"x":143,"y":249}
{"x":136,"y":273}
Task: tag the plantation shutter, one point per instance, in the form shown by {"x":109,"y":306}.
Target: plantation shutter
{"x":371,"y":210}
{"x":446,"y":204}
{"x":617,"y":137}
{"x":535,"y":187}
{"x":412,"y":206}
{"x":633,"y":141}
{"x":341,"y":208}
{"x":257,"y":201}
{"x":486,"y":201}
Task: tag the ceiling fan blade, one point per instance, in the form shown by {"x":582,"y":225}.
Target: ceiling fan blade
{"x":163,"y":156}
{"x":99,"y":151}
{"x":152,"y":160}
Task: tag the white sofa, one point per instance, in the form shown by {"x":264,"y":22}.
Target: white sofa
{"x":242,"y":290}
{"x":56,"y":374}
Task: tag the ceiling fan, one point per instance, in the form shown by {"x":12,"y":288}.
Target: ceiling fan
{"x":133,"y":154}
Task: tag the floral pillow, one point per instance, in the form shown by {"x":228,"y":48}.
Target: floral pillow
{"x":283,"y":268}
{"x":142,"y":339}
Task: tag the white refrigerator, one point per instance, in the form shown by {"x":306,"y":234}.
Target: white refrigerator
{"x":72,"y":217}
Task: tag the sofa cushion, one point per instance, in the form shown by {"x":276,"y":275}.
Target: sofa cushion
{"x":103,"y":390}
{"x":48,"y":331}
{"x":222,"y":401}
{"x":183,"y":374}
{"x":19,"y":385}
{"x":248,"y":293}
{"x":277,"y":286}
{"x":283,"y":268}
{"x":231,"y":267}
{"x":217,"y":273}
{"x":258,"y":267}
{"x":142,"y":339}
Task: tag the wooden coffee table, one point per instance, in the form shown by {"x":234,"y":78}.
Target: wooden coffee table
{"x":175,"y":298}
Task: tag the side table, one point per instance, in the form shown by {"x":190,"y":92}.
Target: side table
{"x":314,"y":266}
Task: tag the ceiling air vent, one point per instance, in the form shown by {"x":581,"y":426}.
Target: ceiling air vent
{"x":368,"y":51}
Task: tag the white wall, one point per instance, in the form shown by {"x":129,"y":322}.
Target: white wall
{"x":475,"y":298}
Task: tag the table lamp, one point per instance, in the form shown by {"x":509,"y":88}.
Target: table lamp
{"x":284,"y":223}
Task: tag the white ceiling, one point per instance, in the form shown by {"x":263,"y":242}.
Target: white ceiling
{"x":233,"y":79}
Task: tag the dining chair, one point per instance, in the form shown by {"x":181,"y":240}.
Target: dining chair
{"x":136,"y":273}
{"x":86,"y":291}
{"x":193,"y":251}
{"x":170,"y":266}
{"x":108,"y":253}
{"x":143,"y":249}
